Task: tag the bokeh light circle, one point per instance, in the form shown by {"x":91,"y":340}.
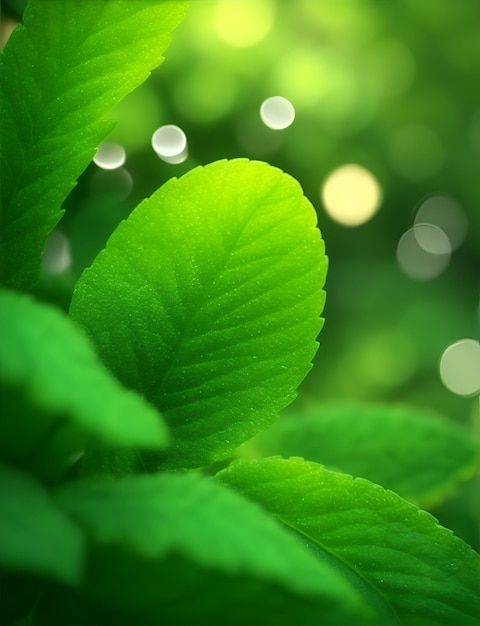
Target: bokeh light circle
{"x":418,"y":263}
{"x":243,"y":23}
{"x":169,"y":141}
{"x":460,"y":367}
{"x":109,"y":156}
{"x":277,"y":112}
{"x":351,"y":195}
{"x":432,"y":239}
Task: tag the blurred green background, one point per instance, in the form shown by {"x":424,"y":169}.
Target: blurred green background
{"x":393,"y":87}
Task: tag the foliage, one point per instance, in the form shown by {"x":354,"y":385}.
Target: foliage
{"x":383,"y":443}
{"x":188,"y":334}
{"x":215,"y":330}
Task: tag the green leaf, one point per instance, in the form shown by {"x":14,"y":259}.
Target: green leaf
{"x":187,"y":549}
{"x":35,"y":535}
{"x":208,"y":301}
{"x":425,"y":573}
{"x":60,"y":75}
{"x":56,"y":394}
{"x":419,"y":455}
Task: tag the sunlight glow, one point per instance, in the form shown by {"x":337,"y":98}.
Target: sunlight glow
{"x":243,"y":23}
{"x":170,"y":143}
{"x":351,"y":195}
{"x":109,"y":156}
{"x":460,"y":367}
{"x":277,"y":112}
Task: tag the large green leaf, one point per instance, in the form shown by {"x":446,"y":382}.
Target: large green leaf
{"x":208,"y":301}
{"x":35,"y":535}
{"x":417,"y":454}
{"x":188,"y":550}
{"x":425,"y":573}
{"x":56,"y":394}
{"x":60,"y":74}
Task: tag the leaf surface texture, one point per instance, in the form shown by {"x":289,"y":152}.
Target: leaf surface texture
{"x":207,"y":300}
{"x":425,"y":573}
{"x":60,"y":74}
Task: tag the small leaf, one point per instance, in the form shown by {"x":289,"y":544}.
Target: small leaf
{"x":188,"y":549}
{"x":419,"y":455}
{"x":57,"y":396}
{"x":425,"y":573}
{"x":208,"y":301}
{"x":60,"y":75}
{"x":35,"y":536}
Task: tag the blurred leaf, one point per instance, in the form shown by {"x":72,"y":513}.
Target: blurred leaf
{"x":417,"y":454}
{"x":425,"y":573}
{"x":35,"y":536}
{"x":60,"y":75}
{"x":162,"y":546}
{"x":207,"y":300}
{"x":57,"y":395}
{"x":461,"y":512}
